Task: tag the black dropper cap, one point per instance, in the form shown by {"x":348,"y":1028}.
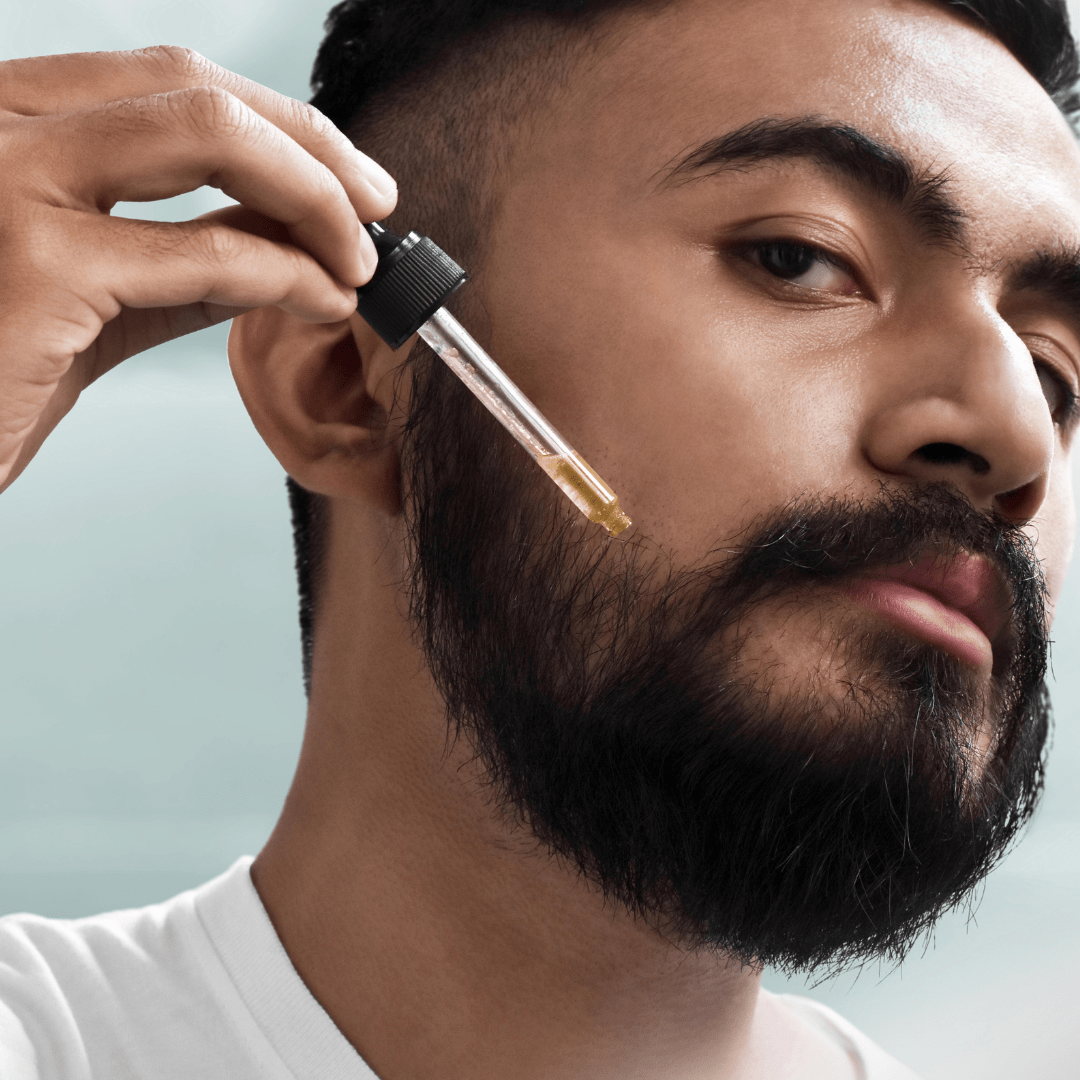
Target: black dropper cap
{"x":414,"y":278}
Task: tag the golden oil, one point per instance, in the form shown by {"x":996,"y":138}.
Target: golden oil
{"x":585,"y":489}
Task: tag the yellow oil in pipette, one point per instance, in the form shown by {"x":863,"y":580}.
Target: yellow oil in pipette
{"x":502,"y":398}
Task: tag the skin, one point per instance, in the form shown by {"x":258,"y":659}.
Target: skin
{"x":441,"y":942}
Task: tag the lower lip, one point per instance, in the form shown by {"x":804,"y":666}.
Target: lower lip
{"x":926,"y":617}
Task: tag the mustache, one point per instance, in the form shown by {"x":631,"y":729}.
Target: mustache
{"x":821,"y":540}
{"x":831,"y":538}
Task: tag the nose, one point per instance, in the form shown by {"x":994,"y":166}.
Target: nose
{"x":959,"y":400}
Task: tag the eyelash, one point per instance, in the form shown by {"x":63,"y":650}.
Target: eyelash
{"x":1069,"y":410}
{"x":755,"y":250}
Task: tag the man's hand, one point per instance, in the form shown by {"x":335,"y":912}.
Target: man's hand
{"x":80,"y":290}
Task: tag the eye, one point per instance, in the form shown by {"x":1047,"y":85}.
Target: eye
{"x":1060,"y":398}
{"x":804,"y":265}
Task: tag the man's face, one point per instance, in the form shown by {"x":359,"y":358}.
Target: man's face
{"x":637,"y":309}
{"x":794,"y":278}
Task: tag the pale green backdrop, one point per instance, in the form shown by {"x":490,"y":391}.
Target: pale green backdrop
{"x":150,"y":697}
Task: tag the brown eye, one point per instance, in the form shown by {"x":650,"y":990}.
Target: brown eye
{"x":804,"y":265}
{"x":1060,"y":398}
{"x":787,"y":260}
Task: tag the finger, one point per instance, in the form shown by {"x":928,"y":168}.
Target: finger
{"x":240,"y":217}
{"x":137,"y":329}
{"x":75,"y":82}
{"x":171,"y":143}
{"x":151,"y":264}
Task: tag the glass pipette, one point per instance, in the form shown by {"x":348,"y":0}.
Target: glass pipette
{"x":413,"y":280}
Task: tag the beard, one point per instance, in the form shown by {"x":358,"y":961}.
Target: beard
{"x":802,"y":823}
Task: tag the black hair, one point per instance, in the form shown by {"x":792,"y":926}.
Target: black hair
{"x":377,"y":49}
{"x":371,"y":44}
{"x":309,"y":540}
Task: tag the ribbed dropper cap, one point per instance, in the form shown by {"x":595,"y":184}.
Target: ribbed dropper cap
{"x":414,"y":278}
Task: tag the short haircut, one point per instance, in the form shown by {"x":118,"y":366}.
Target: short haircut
{"x":431,"y":89}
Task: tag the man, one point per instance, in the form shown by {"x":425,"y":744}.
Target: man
{"x":799,"y":280}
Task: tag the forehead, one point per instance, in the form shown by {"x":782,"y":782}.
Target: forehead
{"x":910,"y":73}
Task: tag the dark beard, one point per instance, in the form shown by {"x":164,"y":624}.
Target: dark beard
{"x":597,"y":683}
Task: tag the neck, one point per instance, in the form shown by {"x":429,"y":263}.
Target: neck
{"x":439,"y":938}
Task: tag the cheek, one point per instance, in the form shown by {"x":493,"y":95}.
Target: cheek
{"x":743,"y":416}
{"x":701,"y":417}
{"x":741,"y":435}
{"x":1054,"y":529}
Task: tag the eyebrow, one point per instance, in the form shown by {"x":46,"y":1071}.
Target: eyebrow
{"x":878,"y":168}
{"x":1054,"y":274}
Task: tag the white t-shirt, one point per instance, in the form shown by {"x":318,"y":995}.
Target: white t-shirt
{"x":200,"y":988}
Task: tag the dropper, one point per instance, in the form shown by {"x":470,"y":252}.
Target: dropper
{"x":412,"y":282}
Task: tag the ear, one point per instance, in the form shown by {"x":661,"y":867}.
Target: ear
{"x":321,"y":396}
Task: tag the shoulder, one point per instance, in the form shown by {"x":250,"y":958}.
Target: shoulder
{"x":73,"y":959}
{"x":869,"y":1061}
{"x":112,"y":995}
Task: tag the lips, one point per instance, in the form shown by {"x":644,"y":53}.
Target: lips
{"x":958,"y":603}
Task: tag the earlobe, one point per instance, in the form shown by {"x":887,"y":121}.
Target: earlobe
{"x":321,"y":396}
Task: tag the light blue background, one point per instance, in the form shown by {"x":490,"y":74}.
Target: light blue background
{"x":150,"y":697}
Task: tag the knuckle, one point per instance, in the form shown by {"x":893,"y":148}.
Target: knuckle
{"x":203,"y":111}
{"x":317,"y":131}
{"x":211,"y":111}
{"x":178,"y":63}
{"x":309,"y":121}
{"x":214,"y":245}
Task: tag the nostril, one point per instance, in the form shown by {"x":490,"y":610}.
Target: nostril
{"x":946,"y":453}
{"x":1018,"y":505}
